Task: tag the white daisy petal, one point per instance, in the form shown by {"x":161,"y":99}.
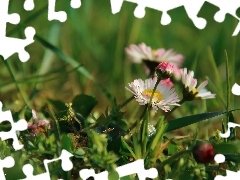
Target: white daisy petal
{"x":190,"y":84}
{"x":163,"y":97}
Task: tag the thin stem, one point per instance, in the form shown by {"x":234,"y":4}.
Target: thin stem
{"x":140,"y":118}
{"x":154,"y":89}
{"x":146,"y":107}
{"x":25,"y":99}
{"x":56,"y":130}
{"x":126,"y":102}
{"x":173,"y":158}
{"x":228,"y":83}
{"x":228,"y":89}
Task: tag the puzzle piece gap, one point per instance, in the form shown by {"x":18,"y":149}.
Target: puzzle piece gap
{"x":53,"y":15}
{"x":219,"y":158}
{"x":192,"y":9}
{"x":29,"y":5}
{"x":75,"y":4}
{"x":7,"y":162}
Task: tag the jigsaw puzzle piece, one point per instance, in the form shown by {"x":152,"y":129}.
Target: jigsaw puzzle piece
{"x":116,"y":5}
{"x":66,"y":166}
{"x":226,"y":7}
{"x":5,"y":17}
{"x":160,"y":5}
{"x":192,"y":8}
{"x":6,"y":43}
{"x":29,"y":5}
{"x":136,"y":167}
{"x":87,"y":173}
{"x":75,"y":4}
{"x":53,"y":15}
{"x":21,"y":125}
{"x":60,"y":15}
{"x":236,"y":88}
{"x":28,"y":171}
{"x":230,"y":175}
{"x":7,"y":162}
{"x":230,"y":125}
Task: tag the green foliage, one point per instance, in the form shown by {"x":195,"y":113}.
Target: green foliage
{"x":98,"y":156}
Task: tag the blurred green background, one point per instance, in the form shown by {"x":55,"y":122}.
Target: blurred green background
{"x":95,"y":38}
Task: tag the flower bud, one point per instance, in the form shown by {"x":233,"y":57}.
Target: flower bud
{"x":164,"y":70}
{"x":203,"y":152}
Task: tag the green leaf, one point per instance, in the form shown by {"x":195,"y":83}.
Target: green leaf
{"x":227,"y":147}
{"x":58,"y":105}
{"x":64,"y":57}
{"x":172,"y":149}
{"x":185,"y":121}
{"x":126,"y":146}
{"x":83,"y":104}
{"x":113,"y":175}
{"x":79,"y":153}
{"x":66,"y":142}
{"x":232,"y":157}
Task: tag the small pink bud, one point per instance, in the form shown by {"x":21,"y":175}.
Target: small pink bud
{"x":164,"y":70}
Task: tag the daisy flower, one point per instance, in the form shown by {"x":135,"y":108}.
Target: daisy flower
{"x":190,"y":91}
{"x":151,"y":58}
{"x":140,"y":52}
{"x":164,"y":95}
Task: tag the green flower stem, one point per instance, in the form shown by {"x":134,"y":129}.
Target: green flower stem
{"x":169,"y":112}
{"x":144,"y":129}
{"x":137,"y":146}
{"x":161,"y":127}
{"x":228,"y":91}
{"x":126,"y":102}
{"x":173,"y":158}
{"x":21,"y":91}
{"x":139,"y":120}
{"x":154,"y":89}
{"x":144,"y":133}
{"x":137,"y":136}
{"x":129,"y":99}
{"x":57,"y":132}
{"x":153,"y":150}
{"x":140,"y":138}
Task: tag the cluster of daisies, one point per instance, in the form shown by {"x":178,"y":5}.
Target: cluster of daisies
{"x":161,"y":66}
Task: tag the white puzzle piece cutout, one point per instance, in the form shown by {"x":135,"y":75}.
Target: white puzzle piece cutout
{"x":136,"y":167}
{"x":6,"y":43}
{"x":7,"y":162}
{"x":192,"y":9}
{"x":21,"y":125}
{"x":66,"y":166}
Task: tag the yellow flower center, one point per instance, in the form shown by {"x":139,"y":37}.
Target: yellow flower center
{"x":194,"y":90}
{"x":157,"y":94}
{"x":154,"y":52}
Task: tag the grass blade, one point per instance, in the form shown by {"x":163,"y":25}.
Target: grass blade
{"x":64,"y":57}
{"x":185,"y":121}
